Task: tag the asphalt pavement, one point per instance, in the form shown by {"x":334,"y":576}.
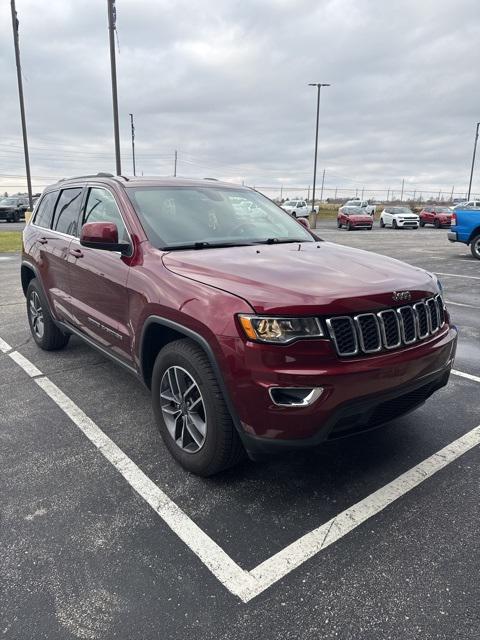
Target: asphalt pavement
{"x":86,"y":556}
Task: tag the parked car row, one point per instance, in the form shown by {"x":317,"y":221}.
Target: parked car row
{"x":352,"y":217}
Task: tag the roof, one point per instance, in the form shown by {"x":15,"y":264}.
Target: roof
{"x":147,"y":181}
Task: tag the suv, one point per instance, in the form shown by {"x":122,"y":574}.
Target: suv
{"x":216,"y":311}
{"x":13,"y":208}
{"x":438,"y":216}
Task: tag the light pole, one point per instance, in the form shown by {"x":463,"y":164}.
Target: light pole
{"x":22,"y":106}
{"x":132,"y":126}
{"x":112,"y":25}
{"x":473,"y":161}
{"x":319,"y":86}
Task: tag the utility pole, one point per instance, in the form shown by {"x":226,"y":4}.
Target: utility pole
{"x":22,"y":106}
{"x":281,"y":192}
{"x":363,"y":189}
{"x":321,"y":191}
{"x":401,"y":195}
{"x":112,"y":20}
{"x":175,"y":164}
{"x":133,"y":143}
{"x":319,"y":86}
{"x":473,"y":161}
{"x":388,"y":193}
{"x":308,"y":193}
{"x":335,"y":193}
{"x":439,"y":195}
{"x":451,"y":195}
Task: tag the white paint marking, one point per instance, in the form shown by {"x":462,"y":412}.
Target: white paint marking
{"x":26,"y":365}
{"x":248,"y":584}
{"x":4,"y":346}
{"x":468,"y":376}
{"x":233,"y":577}
{"x":461,"y":304}
{"x":457,"y":275}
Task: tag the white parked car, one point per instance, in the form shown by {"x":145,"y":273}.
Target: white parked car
{"x":471,"y":204}
{"x":296,"y":208}
{"x":399,"y":217}
{"x":362,"y":204}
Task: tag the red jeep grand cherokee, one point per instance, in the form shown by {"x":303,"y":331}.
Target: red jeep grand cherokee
{"x":251,"y":333}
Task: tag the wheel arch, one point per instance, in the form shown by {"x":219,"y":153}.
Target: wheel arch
{"x":27,"y":273}
{"x":156,"y":333}
{"x":474,"y":234}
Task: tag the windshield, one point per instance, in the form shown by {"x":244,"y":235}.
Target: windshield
{"x":352,"y":203}
{"x":354,"y":211}
{"x":442,"y":210}
{"x":401,"y":210}
{"x":200,"y":217}
{"x":8,"y":201}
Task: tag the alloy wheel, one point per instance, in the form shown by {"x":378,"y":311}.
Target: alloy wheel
{"x":36,"y":315}
{"x":183,"y":409}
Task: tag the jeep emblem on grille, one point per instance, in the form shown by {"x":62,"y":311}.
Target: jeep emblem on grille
{"x":401,"y":296}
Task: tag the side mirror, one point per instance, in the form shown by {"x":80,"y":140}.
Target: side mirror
{"x":304,"y":222}
{"x":102,"y":235}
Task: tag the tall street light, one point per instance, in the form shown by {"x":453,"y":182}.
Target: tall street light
{"x":319,"y":86}
{"x":112,"y":25}
{"x":22,"y":106}
{"x":132,"y":130}
{"x":473,"y":161}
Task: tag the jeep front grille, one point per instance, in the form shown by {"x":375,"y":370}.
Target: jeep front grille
{"x":388,"y":329}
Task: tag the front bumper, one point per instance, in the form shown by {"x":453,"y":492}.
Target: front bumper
{"x":410,"y":224}
{"x":7,"y":214}
{"x":452,"y":236}
{"x":358,"y":393}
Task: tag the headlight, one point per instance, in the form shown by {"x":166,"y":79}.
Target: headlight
{"x":279,"y":330}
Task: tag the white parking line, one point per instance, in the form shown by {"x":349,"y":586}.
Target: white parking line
{"x":246,"y":584}
{"x":462,"y":304}
{"x":468,"y":376}
{"x":457,"y":275}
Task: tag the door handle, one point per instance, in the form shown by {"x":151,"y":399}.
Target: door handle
{"x":77,"y":253}
{"x":43,"y":240}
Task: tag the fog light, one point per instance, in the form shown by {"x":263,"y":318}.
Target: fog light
{"x":294,"y":396}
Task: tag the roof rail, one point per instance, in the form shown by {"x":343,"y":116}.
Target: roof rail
{"x":216,"y":179}
{"x":100,"y":174}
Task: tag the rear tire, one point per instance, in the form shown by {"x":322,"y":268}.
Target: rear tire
{"x":215,"y":445}
{"x":422,"y":223}
{"x":436,"y":224}
{"x":44,"y":330}
{"x":475,"y":247}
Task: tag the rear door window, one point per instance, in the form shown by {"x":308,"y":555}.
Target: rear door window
{"x":67,"y":211}
{"x":44,"y":214}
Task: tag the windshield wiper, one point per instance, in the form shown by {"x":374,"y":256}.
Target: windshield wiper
{"x":206,"y":245}
{"x":282,"y":240}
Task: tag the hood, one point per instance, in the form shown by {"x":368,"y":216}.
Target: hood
{"x":317,"y":277}
{"x":406,"y":216}
{"x":359,"y":217}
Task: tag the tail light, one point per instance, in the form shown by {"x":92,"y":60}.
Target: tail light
{"x":454,"y":218}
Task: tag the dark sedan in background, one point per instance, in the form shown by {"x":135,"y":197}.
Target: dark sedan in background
{"x":13,"y":208}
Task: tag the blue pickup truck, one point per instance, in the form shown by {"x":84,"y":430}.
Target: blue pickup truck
{"x":466,"y":228}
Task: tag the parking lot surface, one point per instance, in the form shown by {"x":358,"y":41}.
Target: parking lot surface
{"x":98,"y":532}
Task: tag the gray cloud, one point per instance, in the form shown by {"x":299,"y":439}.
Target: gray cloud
{"x":225,"y":83}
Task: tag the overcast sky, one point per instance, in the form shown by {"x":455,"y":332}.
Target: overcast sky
{"x":225,"y":83}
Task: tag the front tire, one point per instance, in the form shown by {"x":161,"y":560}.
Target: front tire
{"x":436,"y":224}
{"x":382,"y":223}
{"x":475,"y":247}
{"x":190,"y":411}
{"x":422,"y":223}
{"x":339,"y":225}
{"x":44,"y":330}
{"x":349,"y":227}
{"x":394,"y":224}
